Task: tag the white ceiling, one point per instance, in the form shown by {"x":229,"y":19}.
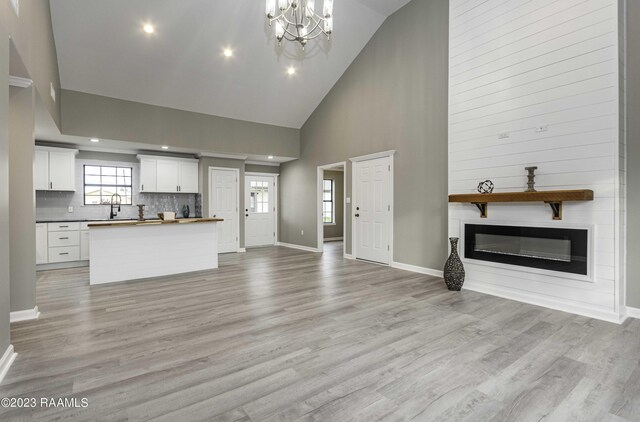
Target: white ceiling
{"x":102,"y":50}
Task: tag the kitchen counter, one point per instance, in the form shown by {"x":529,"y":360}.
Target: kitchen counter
{"x":134,"y":250}
{"x":126,"y":223}
{"x":96,"y":220}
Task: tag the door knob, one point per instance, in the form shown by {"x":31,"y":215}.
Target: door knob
{"x":246,"y":215}
{"x":357,"y":208}
{"x":357,"y":215}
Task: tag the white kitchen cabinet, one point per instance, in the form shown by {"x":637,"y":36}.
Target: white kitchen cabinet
{"x":84,"y":245}
{"x":188,"y":177}
{"x":41,"y":170}
{"x":168,"y":175}
{"x":148,"y":175}
{"x":54,"y":169}
{"x":42,"y":247}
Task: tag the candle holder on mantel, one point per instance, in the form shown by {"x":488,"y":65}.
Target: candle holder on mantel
{"x":141,"y":212}
{"x":531,"y":178}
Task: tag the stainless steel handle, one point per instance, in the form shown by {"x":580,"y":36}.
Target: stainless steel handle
{"x":64,"y":227}
{"x":63,"y":238}
{"x":63,"y":253}
{"x":142,"y":188}
{"x":50,"y":185}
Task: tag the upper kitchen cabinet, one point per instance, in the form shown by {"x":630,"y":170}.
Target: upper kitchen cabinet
{"x":148,"y":175}
{"x":168,"y":175}
{"x":54,"y":169}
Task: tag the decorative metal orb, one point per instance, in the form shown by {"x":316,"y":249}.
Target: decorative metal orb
{"x":485,"y":187}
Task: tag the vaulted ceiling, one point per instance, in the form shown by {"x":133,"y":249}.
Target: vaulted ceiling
{"x":102,"y":50}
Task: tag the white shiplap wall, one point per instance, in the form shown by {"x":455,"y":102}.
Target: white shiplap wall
{"x":516,"y":66}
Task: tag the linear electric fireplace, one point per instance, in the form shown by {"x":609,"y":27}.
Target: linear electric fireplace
{"x":563,"y":250}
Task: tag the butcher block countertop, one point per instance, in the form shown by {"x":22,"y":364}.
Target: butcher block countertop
{"x":127,"y":223}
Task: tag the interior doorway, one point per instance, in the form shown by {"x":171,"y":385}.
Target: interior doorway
{"x":260,"y":209}
{"x":224,"y":203}
{"x":372,"y":207}
{"x":331,"y":215}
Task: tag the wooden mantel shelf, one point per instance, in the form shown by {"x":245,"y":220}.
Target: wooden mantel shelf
{"x":554,"y":198}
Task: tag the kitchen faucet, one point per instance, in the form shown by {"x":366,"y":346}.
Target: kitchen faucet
{"x":113,"y":204}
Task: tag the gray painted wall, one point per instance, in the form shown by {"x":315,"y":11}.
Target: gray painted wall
{"x":393,"y":96}
{"x":32,"y":35}
{"x":257,"y":168}
{"x":337,"y":229}
{"x":633,"y":154}
{"x":89,"y":115}
{"x":4,"y":192}
{"x":22,"y":236}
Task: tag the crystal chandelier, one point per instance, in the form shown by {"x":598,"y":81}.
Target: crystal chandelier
{"x":297,"y":20}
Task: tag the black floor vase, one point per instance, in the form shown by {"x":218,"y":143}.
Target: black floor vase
{"x":453,"y":268}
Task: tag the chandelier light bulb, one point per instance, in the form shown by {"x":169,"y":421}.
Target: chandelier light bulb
{"x":271,"y":8}
{"x":279,"y":30}
{"x":328,"y":8}
{"x":328,"y":25}
{"x":283,"y":5}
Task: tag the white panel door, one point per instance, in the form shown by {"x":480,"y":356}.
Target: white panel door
{"x":62,"y":171}
{"x":259,"y":210}
{"x":372,"y":210}
{"x":189,"y":177}
{"x":41,"y":170}
{"x":224,"y":204}
{"x":168,"y":176}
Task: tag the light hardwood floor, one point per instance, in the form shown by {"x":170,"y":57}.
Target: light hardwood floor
{"x":281,"y":334}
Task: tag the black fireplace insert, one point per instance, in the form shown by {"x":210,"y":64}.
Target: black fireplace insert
{"x":561,"y":249}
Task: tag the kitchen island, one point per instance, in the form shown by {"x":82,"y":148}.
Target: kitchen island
{"x":132,"y":250}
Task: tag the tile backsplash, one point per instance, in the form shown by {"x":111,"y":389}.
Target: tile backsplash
{"x":52,"y":205}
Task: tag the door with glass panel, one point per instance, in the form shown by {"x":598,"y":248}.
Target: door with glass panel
{"x":259,"y":210}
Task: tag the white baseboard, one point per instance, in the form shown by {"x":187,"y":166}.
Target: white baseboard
{"x":300,"y":247}
{"x":25,"y":315}
{"x":62,"y":265}
{"x":6,"y":360}
{"x":349,"y":256}
{"x":537,"y":300}
{"x":633,"y":312}
{"x":416,"y":269}
{"x":332,"y":239}
{"x":241,"y":250}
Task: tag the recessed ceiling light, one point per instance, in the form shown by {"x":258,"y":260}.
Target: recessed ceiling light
{"x":227,"y":52}
{"x":94,"y":140}
{"x":164,"y":147}
{"x":291,"y":71}
{"x":148,"y":28}
{"x":270,"y":157}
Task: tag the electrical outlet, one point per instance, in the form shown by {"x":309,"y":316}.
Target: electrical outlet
{"x":301,"y":232}
{"x":70,"y":209}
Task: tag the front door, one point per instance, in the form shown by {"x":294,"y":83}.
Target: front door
{"x":259,"y":210}
{"x":224,"y":204}
{"x":372,"y":210}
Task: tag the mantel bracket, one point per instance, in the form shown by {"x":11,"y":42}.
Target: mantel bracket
{"x":482,"y":207}
{"x":556,"y":208}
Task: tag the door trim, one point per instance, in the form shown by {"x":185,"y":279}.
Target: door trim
{"x":354,"y":162}
{"x":237,"y":171}
{"x":276,"y":180}
{"x":320,"y":176}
